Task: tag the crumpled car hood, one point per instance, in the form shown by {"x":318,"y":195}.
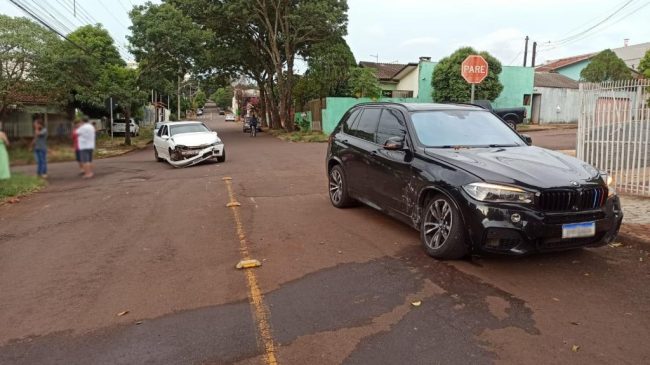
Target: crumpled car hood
{"x":527,"y":166}
{"x":195,"y":139}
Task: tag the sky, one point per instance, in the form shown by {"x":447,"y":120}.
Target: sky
{"x":400,"y":31}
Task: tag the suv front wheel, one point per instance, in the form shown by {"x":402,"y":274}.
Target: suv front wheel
{"x":441,"y":229}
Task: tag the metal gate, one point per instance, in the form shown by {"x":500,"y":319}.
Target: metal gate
{"x":614,"y":132}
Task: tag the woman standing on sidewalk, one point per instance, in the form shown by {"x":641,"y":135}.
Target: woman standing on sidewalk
{"x":39,"y":144}
{"x":4,"y":157}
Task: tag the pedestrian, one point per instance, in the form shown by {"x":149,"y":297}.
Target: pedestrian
{"x":86,"y":141}
{"x":5,"y":174}
{"x":75,"y":144}
{"x":39,"y":145}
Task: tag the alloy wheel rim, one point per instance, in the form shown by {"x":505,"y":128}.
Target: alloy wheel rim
{"x":437,"y":224}
{"x":336,"y":186}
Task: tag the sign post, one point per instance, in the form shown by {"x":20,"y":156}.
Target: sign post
{"x":111,"y":120}
{"x":474,"y":70}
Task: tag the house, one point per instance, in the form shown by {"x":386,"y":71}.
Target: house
{"x":555,"y":99}
{"x":572,"y":66}
{"x":17,"y":122}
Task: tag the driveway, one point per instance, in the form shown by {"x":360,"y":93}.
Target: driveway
{"x":335,"y":286}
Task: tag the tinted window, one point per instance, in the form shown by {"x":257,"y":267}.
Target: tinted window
{"x":390,"y":125}
{"x":162,"y":131}
{"x":467,"y":128}
{"x":347,"y":126}
{"x":367,"y":125}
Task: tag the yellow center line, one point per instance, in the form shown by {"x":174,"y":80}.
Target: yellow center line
{"x":255,"y":295}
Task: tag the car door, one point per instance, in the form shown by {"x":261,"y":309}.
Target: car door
{"x":361,"y":145}
{"x":392,"y":169}
{"x":161,"y":144}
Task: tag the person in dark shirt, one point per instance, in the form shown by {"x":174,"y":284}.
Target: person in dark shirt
{"x":39,"y":145}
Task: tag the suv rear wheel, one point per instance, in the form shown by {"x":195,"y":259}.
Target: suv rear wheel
{"x":339,"y":188}
{"x":441,"y":229}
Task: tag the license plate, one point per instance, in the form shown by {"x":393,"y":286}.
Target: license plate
{"x":575,"y":230}
{"x":190,"y":153}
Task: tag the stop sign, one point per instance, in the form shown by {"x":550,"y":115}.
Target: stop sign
{"x":474,"y":69}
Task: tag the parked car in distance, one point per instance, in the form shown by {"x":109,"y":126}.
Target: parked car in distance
{"x":230,"y":117}
{"x":468,"y":182}
{"x":199,"y":111}
{"x":187,"y":143}
{"x":119,"y":127}
{"x":222,"y":112}
{"x":512,"y":116}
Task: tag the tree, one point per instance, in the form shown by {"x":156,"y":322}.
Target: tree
{"x":644,"y":65}
{"x":223,"y":97}
{"x":165,"y":41}
{"x":364,"y":83}
{"x":122,"y":84}
{"x":450,"y":86}
{"x":606,"y":66}
{"x":329,"y":68}
{"x":24,"y":56}
{"x":200,"y":98}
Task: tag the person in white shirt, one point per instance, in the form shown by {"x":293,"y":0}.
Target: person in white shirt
{"x":86,"y":140}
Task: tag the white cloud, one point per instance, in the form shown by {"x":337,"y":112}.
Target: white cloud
{"x":420,"y":41}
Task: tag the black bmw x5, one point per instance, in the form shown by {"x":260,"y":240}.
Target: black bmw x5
{"x":467,"y":181}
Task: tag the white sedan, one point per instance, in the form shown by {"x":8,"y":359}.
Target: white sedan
{"x":185,"y":144}
{"x":230,"y":117}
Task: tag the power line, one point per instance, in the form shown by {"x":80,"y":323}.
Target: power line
{"x":46,"y":25}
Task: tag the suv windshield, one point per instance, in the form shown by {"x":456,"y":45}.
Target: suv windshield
{"x":463,"y":128}
{"x":188,"y":128}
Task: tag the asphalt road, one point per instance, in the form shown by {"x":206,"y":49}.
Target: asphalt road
{"x":335,"y":286}
{"x":555,"y":139}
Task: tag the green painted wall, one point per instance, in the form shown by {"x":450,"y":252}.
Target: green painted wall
{"x":573,"y":71}
{"x":516,"y":81}
{"x":336,"y":107}
{"x":425,"y":74}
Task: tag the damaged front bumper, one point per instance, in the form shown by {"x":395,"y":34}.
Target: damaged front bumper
{"x":204,"y":154}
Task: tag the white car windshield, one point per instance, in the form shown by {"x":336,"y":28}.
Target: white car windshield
{"x":188,"y":128}
{"x":463,"y":128}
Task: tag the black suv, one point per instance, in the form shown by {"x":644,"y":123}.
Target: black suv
{"x":467,"y":181}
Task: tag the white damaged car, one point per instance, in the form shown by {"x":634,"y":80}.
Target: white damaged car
{"x":185,"y":144}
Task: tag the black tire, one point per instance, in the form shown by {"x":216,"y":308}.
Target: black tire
{"x":442,"y":232}
{"x":155,"y":153}
{"x":222,"y":158}
{"x":338,"y":188}
{"x":512,"y":124}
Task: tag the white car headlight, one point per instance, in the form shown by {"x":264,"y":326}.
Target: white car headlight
{"x":498,"y":193}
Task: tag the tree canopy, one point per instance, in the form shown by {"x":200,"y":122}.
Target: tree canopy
{"x":25,"y":54}
{"x":223,"y":97}
{"x":606,"y":66}
{"x":450,"y":86}
{"x":364,"y":82}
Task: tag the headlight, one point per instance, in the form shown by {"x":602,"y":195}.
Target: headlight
{"x":611,"y":184}
{"x":498,"y":193}
{"x":218,"y":142}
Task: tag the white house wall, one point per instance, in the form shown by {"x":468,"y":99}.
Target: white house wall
{"x":568,"y":101}
{"x":410,"y":82}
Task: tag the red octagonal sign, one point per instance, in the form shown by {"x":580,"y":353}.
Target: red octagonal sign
{"x":474,"y":69}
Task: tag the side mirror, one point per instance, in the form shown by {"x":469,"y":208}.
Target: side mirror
{"x":527,"y":139}
{"x":394,"y":143}
{"x":164,"y":136}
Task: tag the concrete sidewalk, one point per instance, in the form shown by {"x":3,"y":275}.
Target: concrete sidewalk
{"x":636,"y":219}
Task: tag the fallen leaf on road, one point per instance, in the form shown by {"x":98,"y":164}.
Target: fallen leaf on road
{"x":122,"y":313}
{"x":575,"y":348}
{"x":555,"y":299}
{"x":416,"y":303}
{"x":640,"y":259}
{"x":587,"y":274}
{"x":13,"y":201}
{"x":615,"y":244}
{"x":340,"y":252}
{"x":575,"y":323}
{"x":138,"y":322}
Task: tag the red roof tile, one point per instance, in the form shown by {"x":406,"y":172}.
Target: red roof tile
{"x":385,"y":71}
{"x":563,"y":62}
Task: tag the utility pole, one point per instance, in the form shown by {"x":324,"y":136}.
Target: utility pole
{"x":532,"y":62}
{"x":526,"y":52}
{"x":178,"y":94}
{"x":111,"y":120}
